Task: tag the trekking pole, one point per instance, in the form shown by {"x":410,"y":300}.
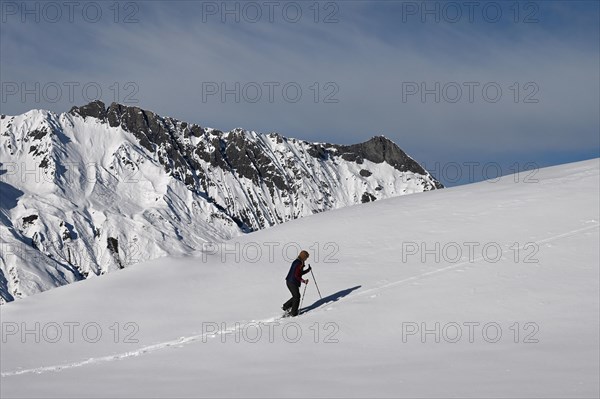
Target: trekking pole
{"x":316,"y":285}
{"x":302,"y":299}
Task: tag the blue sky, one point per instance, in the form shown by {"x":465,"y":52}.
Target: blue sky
{"x":372,"y":59}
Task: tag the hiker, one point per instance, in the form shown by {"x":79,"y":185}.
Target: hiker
{"x":294,"y":280}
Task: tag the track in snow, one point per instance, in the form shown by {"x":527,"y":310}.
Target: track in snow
{"x":194,"y":338}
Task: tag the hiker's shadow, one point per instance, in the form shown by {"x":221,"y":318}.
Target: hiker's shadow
{"x":328,"y":299}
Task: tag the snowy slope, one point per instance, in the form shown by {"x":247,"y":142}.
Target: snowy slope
{"x":378,"y":289}
{"x":99,"y":188}
{"x":85,"y":200}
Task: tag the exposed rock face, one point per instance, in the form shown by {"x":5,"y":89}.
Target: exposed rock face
{"x":191,"y":154}
{"x":380,"y":149}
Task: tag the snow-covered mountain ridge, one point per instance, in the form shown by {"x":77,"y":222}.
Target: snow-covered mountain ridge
{"x":98,"y":188}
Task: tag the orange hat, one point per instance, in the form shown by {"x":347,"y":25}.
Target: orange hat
{"x":303,"y":255}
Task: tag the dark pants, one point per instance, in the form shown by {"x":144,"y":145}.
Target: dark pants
{"x":294,"y":301}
